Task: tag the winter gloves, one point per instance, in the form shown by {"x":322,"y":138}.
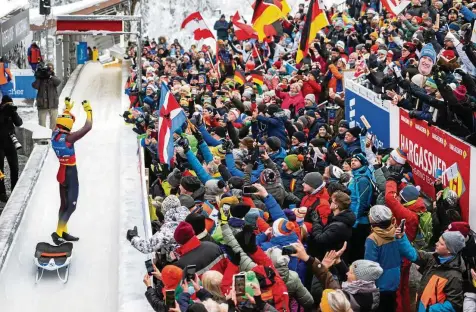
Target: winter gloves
{"x":69,"y":104}
{"x":198,"y":136}
{"x":132,"y":233}
{"x":183,"y":142}
{"x":247,"y":239}
{"x":86,"y":106}
{"x":234,"y":257}
{"x":227,"y":146}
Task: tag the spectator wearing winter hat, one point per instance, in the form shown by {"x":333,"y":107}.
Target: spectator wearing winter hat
{"x":292,"y":100}
{"x":274,"y":122}
{"x":409,"y":208}
{"x":382,"y":248}
{"x":361,"y":198}
{"x":338,"y":229}
{"x":171,"y":277}
{"x":335,"y":76}
{"x":311,"y":86}
{"x":190,"y":185}
{"x":317,"y":198}
{"x":298,"y":143}
{"x":197,"y":221}
{"x":205,"y":255}
{"x":341,"y":131}
{"x":361,"y":276}
{"x":352,"y":141}
{"x":442,"y":265}
{"x":469,"y":256}
{"x":427,"y":59}
{"x":232,"y":212}
{"x":275,"y":150}
{"x":174,"y":213}
{"x":271,"y":181}
{"x":292,"y":175}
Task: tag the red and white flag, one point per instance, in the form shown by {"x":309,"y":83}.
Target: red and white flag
{"x":395,"y":6}
{"x":242,"y":31}
{"x":195,"y":23}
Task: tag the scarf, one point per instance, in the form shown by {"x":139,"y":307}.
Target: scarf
{"x":359,"y":286}
{"x":387,"y":234}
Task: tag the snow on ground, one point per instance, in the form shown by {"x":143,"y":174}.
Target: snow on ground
{"x":11,"y":5}
{"x":37,"y":19}
{"x":93,"y":283}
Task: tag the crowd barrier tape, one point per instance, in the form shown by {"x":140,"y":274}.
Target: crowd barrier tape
{"x":429,"y":148}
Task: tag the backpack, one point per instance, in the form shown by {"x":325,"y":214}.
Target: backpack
{"x":425,"y":231}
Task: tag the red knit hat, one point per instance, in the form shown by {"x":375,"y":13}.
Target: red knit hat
{"x":418,"y":19}
{"x":460,"y":93}
{"x":183,"y":233}
{"x":462,"y":227}
{"x":448,"y":54}
{"x":171,"y":276}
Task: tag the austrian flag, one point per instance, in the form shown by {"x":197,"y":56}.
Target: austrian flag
{"x":171,"y":117}
{"x":196,"y":24}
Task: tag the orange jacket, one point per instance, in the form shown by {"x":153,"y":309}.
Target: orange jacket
{"x":4,"y":73}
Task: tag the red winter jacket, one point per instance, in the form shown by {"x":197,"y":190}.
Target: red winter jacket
{"x":278,"y":292}
{"x":324,"y":208}
{"x":311,"y":87}
{"x":410,"y":213}
{"x":288,"y":101}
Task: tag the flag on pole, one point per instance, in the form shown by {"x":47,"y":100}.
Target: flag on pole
{"x":257,"y":77}
{"x":171,"y":117}
{"x":194,"y":23}
{"x":316,"y":19}
{"x":391,"y":6}
{"x":240,"y":77}
{"x":242,"y":31}
{"x":265,"y":14}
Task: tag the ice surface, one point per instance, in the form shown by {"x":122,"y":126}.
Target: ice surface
{"x":93,"y":284}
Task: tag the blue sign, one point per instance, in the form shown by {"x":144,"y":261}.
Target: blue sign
{"x":361,"y":107}
{"x":20,"y":86}
{"x":82,"y":52}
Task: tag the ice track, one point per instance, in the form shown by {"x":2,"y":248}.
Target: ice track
{"x":93,"y":282}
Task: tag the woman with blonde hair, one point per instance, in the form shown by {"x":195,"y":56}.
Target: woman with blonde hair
{"x":211,"y":281}
{"x":334,"y":301}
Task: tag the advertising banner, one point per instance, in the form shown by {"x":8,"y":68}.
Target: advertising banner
{"x":82,"y":53}
{"x":363,"y":104}
{"x":13,"y":30}
{"x":429,"y":149}
{"x":20,"y":86}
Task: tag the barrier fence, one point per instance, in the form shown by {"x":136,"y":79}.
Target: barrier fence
{"x":430,"y":150}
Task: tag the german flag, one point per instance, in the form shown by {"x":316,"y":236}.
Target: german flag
{"x":240,"y":77}
{"x":257,"y":77}
{"x":316,"y":19}
{"x":265,"y":14}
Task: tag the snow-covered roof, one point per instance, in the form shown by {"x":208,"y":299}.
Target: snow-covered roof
{"x":9,"y":6}
{"x":37,"y":19}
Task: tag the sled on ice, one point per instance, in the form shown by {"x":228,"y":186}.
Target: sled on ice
{"x":53,"y":258}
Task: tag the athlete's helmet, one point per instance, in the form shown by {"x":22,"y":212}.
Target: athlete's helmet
{"x":65,"y":121}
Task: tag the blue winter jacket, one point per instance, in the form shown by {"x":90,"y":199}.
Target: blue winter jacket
{"x":361,"y":196}
{"x":353,"y":148}
{"x":276,"y":127}
{"x":384,"y":249}
{"x":278,"y":157}
{"x":207,"y":137}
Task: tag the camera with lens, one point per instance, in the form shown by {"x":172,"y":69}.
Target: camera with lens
{"x":15,"y":141}
{"x":42,"y":71}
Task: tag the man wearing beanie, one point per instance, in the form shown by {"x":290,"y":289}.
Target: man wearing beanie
{"x":197,"y":221}
{"x":469,"y":256}
{"x":341,"y":130}
{"x":409,"y":210}
{"x":352,"y":141}
{"x":275,"y":149}
{"x":298,"y":143}
{"x":382,"y":248}
{"x":275,"y":124}
{"x":292,"y":175}
{"x":441,"y":287}
{"x":361,"y":188}
{"x":205,"y":255}
{"x":191,"y":185}
{"x":316,"y":198}
{"x":171,"y":277}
